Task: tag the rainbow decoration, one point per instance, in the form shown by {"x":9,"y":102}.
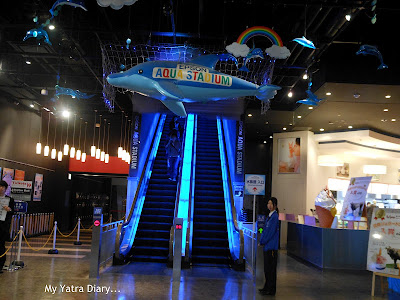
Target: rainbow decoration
{"x":260,"y":31}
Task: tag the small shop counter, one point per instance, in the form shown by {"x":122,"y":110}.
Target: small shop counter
{"x":328,"y":248}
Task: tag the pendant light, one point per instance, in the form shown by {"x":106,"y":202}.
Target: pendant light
{"x":107,"y":156}
{"x":93,"y":148}
{"x":72,"y":151}
{"x":66,"y":146}
{"x":79,"y":152}
{"x":54,"y":151}
{"x":120,"y":140}
{"x":60,"y":154}
{"x":84,"y":146}
{"x":98,"y":142}
{"x":103,"y":153}
{"x":128,"y":143}
{"x":46,"y":150}
{"x":123,"y":154}
{"x":39,"y":145}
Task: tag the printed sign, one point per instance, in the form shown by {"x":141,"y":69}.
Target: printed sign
{"x":19,"y":175}
{"x":354,"y":200}
{"x":254,"y":184}
{"x":135,"y":145}
{"x":37,"y":191}
{"x":21,"y":190}
{"x":239,"y":148}
{"x":20,"y":207}
{"x":384,"y":241}
{"x":8,"y":176}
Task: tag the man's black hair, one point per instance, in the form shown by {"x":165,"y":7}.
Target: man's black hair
{"x":3,"y":183}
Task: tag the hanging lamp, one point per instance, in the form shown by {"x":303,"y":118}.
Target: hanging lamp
{"x":98,"y":142}
{"x":84,"y":146}
{"x":72,"y":150}
{"x":54,"y":151}
{"x":93,"y":147}
{"x":46,"y":150}
{"x":39,"y":145}
{"x":79,"y":152}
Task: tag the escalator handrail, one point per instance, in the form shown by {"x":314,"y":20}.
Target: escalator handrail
{"x":127,"y":221}
{"x":231,"y":198}
{"x":177,"y":197}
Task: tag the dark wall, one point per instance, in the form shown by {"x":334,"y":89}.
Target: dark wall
{"x":20,"y":129}
{"x":258,"y":160}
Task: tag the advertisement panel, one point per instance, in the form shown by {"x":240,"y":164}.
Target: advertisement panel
{"x":8,"y":176}
{"x":354,"y":201}
{"x":37,"y":191}
{"x":21,"y":190}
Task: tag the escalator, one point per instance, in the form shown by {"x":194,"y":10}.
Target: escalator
{"x":210,"y":243}
{"x":151,"y":242}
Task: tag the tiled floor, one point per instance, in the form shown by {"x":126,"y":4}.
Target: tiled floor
{"x":70,"y":268}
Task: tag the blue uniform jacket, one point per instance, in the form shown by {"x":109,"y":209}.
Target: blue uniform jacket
{"x":270,"y":235}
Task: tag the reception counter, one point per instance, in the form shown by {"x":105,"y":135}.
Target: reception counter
{"x":328,"y":248}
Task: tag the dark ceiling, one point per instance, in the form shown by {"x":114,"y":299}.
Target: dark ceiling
{"x":76,"y":57}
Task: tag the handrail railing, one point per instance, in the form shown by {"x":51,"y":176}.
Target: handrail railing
{"x":177,"y":196}
{"x":231,"y":198}
{"x":191,"y":195}
{"x":120,"y":234}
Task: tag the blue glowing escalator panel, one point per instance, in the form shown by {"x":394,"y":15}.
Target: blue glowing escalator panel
{"x":210,"y":237}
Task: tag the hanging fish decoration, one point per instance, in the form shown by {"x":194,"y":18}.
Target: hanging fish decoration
{"x":372,"y":50}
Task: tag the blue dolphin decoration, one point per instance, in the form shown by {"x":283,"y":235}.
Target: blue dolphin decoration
{"x":175,"y":82}
{"x":304,"y":42}
{"x":74,"y":3}
{"x":74,"y":94}
{"x":311,"y":99}
{"x":255,"y":52}
{"x":38,"y":33}
{"x":372,"y":50}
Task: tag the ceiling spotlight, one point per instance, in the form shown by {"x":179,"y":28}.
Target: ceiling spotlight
{"x":393,"y":120}
{"x":330,"y":123}
{"x":266,"y":123}
{"x":350,"y":127}
{"x":356,"y":95}
{"x":310,"y":107}
{"x":305,"y":76}
{"x":321,"y":129}
{"x":28,"y":62}
{"x":270,"y":136}
{"x":32,"y":105}
{"x":290,"y":124}
{"x":387,"y":96}
{"x":290,"y":94}
{"x":386,"y":109}
{"x":298,"y":117}
{"x":66,"y":114}
{"x":46,"y":109}
{"x":348,"y":17}
{"x":52,"y":27}
{"x":383,"y":120}
{"x":284,"y":128}
{"x":328,"y":93}
{"x":249,"y":115}
{"x":265,"y":142}
{"x":43,"y":92}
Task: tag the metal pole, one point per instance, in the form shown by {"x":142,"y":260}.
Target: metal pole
{"x":77,"y":242}
{"x":19,"y":262}
{"x":54,"y":250}
{"x":254,"y":236}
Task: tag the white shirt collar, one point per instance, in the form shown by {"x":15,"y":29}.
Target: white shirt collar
{"x":270,"y":214}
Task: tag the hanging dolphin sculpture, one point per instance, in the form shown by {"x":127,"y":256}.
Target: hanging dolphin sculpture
{"x":304,"y":42}
{"x":74,"y":94}
{"x":75,"y":3}
{"x":253,"y":53}
{"x":372,"y":50}
{"x":174,"y":82}
{"x":38,"y":33}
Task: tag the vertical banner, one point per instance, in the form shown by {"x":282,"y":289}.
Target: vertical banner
{"x":8,"y":176}
{"x":37,"y":189}
{"x":239,"y":149}
{"x":384,"y":243}
{"x":354,"y":200}
{"x":135,"y":143}
{"x":19,"y":175}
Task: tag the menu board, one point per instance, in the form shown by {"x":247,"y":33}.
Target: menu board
{"x":354,"y":200}
{"x":384,"y":241}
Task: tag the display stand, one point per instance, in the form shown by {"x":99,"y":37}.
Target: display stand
{"x":382,"y":275}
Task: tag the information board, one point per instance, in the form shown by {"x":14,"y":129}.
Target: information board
{"x":254,"y":184}
{"x":354,"y":200}
{"x":21,"y":190}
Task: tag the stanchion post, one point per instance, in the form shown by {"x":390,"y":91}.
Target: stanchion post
{"x":54,"y":250}
{"x":19,"y":262}
{"x":77,"y":242}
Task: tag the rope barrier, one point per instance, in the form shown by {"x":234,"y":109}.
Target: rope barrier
{"x":33,"y":249}
{"x":68,"y":234}
{"x":10,"y":244}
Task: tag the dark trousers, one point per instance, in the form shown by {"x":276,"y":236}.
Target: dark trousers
{"x":3,"y":238}
{"x":270,"y":262}
{"x":173,"y":162}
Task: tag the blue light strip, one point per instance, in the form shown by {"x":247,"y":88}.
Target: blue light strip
{"x":193,"y":185}
{"x":185,"y":179}
{"x":130,"y":231}
{"x":228,"y":208}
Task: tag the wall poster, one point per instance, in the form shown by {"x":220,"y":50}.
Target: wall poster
{"x":343,"y":171}
{"x":37,"y":189}
{"x":19,"y":175}
{"x":8,"y":176}
{"x":384,"y":241}
{"x":289,"y":155}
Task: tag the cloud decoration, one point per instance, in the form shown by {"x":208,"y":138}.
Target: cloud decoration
{"x":278,"y":52}
{"x":115,"y":4}
{"x":238,"y":50}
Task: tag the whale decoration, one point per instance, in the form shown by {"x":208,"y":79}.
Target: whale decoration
{"x":372,"y":50}
{"x":253,"y":53}
{"x":38,"y":33}
{"x":174,"y":82}
{"x":56,"y":6}
{"x":304,"y":42}
{"x":74,"y":94}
